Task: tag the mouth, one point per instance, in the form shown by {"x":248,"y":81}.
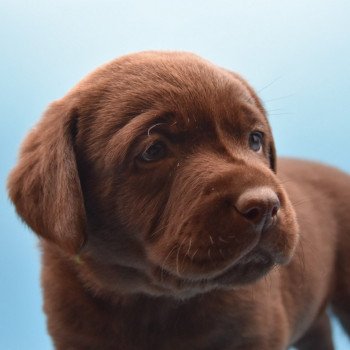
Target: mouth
{"x":250,"y":268}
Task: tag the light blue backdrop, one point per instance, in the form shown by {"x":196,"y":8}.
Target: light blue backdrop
{"x":300,"y":47}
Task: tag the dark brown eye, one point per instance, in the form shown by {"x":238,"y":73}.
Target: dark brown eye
{"x":256,"y":141}
{"x":154,"y":152}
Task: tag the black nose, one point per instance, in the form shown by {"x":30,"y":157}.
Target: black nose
{"x":259,"y":205}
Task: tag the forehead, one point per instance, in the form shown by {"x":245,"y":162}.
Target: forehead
{"x":184,"y":85}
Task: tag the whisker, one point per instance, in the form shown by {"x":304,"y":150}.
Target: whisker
{"x":188,"y":252}
{"x":189,"y":247}
{"x":192,"y":257}
{"x":222,"y":240}
{"x":177,"y":256}
{"x":279,"y":98}
{"x":279,"y":114}
{"x":302,"y":259}
{"x":164,"y":261}
{"x":165,"y":226}
{"x":274,"y":110}
{"x":300,"y":202}
{"x":211,"y":239}
{"x":282,"y":182}
{"x":268,"y":85}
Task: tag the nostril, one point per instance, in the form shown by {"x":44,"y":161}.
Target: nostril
{"x":275,"y":210}
{"x":252,"y":214}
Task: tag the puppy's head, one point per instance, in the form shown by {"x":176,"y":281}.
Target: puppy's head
{"x":159,"y":170}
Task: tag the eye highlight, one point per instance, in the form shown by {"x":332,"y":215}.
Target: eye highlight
{"x":154,"y":152}
{"x":256,"y":141}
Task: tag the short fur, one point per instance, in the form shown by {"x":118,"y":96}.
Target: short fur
{"x":158,"y":254}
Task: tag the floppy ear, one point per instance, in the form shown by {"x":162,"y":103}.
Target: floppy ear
{"x":45,"y":185}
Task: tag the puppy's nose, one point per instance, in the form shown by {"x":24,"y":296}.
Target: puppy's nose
{"x":259,"y":205}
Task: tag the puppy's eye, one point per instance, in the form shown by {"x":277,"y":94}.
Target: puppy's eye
{"x":154,"y":152}
{"x":256,"y":141}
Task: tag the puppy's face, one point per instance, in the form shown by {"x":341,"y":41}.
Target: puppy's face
{"x":176,"y":166}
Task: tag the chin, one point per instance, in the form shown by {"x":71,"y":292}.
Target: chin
{"x":247,"y":270}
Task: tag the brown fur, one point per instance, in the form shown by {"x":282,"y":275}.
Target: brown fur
{"x":163,"y":254}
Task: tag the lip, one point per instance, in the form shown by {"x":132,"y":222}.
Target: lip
{"x":251,"y":267}
{"x":247,"y":269}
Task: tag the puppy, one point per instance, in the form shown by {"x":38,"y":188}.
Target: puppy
{"x":166,"y":223}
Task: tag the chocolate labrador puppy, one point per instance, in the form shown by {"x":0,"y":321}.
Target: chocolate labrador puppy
{"x":166,"y":223}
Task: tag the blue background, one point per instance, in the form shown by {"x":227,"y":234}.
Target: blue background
{"x":296,"y":53}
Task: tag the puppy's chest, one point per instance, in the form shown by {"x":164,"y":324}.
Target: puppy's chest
{"x":163,"y":327}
